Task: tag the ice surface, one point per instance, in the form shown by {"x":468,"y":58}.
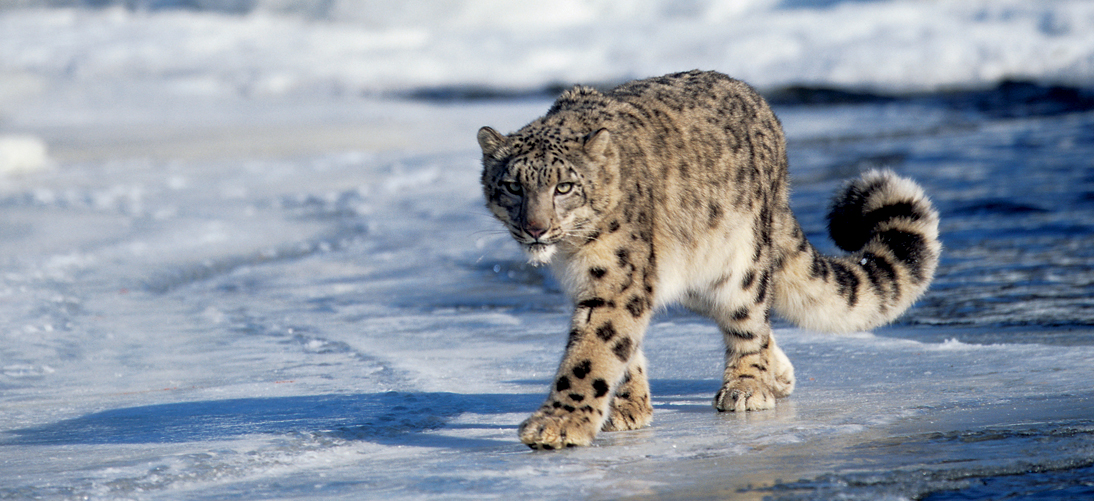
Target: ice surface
{"x":252,"y":273}
{"x":346,"y":324}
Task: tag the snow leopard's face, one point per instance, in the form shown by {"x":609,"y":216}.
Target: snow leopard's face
{"x":543,"y":187}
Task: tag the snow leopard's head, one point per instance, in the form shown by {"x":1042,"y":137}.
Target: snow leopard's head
{"x":548,"y":184}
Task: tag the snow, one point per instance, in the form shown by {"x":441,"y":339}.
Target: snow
{"x":254,"y":270}
{"x":22,"y":153}
{"x":371,"y":47}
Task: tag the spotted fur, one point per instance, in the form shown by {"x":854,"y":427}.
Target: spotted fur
{"x":674,"y":189}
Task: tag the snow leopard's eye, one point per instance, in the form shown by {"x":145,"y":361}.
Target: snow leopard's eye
{"x":513,"y":188}
{"x":564,"y":188}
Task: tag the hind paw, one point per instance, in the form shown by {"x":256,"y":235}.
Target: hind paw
{"x":744,"y":395}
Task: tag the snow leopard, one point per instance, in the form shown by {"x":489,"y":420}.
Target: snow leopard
{"x":674,"y":190}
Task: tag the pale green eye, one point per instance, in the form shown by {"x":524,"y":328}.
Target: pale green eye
{"x":564,"y":188}
{"x":513,"y":187}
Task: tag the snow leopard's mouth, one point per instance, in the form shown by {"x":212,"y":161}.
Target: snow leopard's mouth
{"x":537,"y":247}
{"x":540,"y":252}
{"x":542,"y":241}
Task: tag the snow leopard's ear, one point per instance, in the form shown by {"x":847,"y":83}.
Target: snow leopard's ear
{"x":491,"y":142}
{"x":596,"y":143}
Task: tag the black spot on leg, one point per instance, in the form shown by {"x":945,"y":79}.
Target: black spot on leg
{"x":637,"y":306}
{"x":606,"y":332}
{"x":562,"y":384}
{"x":583,"y":369}
{"x":601,"y":388}
{"x":647,"y":281}
{"x":613,"y":226}
{"x":568,"y":408}
{"x":574,"y":337}
{"x":597,"y":272}
{"x":627,"y":285}
{"x":576,"y":397}
{"x":761,"y":288}
{"x":623,"y":349}
{"x":595,"y":302}
{"x":741,"y":314}
{"x":745,"y":335}
{"x":750,"y":277}
{"x":624,"y":257}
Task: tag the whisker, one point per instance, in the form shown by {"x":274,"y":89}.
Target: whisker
{"x":489,"y":232}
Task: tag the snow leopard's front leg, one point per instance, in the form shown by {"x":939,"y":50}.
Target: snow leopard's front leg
{"x":603,"y":370}
{"x":631,"y":408}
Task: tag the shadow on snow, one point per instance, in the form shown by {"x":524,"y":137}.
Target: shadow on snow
{"x":390,"y":418}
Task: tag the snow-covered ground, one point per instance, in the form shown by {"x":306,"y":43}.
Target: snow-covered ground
{"x":296,"y":47}
{"x":235,"y":263}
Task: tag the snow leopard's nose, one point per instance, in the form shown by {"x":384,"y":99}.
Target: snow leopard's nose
{"x":534,"y":229}
{"x":537,"y":213}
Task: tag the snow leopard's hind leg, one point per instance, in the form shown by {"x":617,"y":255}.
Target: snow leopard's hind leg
{"x":757,"y":372}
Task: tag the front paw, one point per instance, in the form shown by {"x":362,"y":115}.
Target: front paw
{"x":555,"y":428}
{"x":742,"y":395}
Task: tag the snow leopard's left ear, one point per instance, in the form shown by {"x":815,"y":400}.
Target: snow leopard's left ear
{"x":596,"y":143}
{"x":491,"y":142}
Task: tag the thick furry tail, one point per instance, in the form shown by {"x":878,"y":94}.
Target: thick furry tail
{"x":890,"y":228}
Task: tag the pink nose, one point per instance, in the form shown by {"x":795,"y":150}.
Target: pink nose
{"x":534,"y":230}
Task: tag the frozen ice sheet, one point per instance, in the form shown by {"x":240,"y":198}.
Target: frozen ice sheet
{"x":352,"y":324}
